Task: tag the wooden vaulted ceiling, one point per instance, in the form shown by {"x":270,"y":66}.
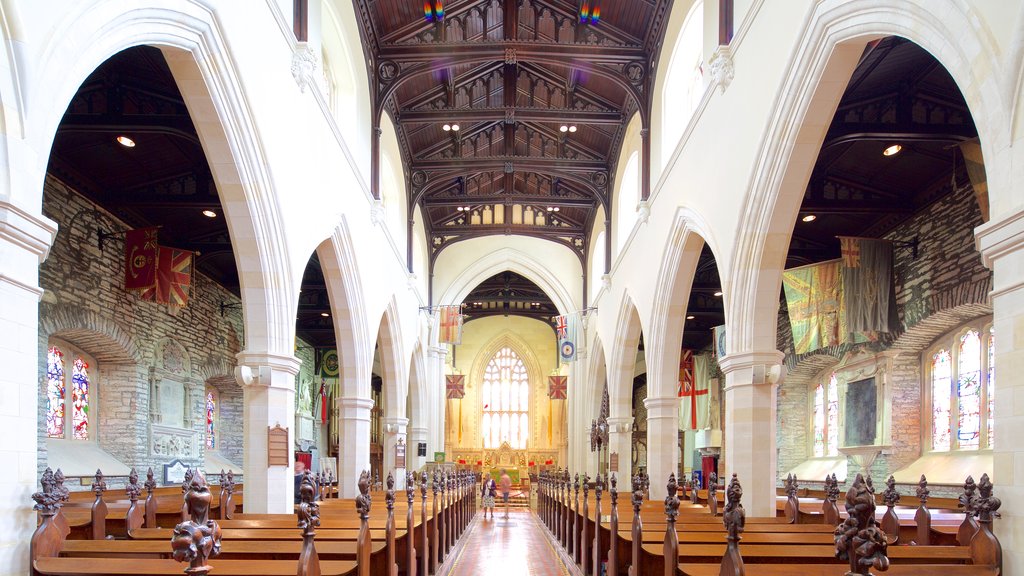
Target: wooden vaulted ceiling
{"x":511,"y":73}
{"x":508,"y":294}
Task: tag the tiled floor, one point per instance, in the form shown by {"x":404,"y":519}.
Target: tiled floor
{"x":518,"y":545}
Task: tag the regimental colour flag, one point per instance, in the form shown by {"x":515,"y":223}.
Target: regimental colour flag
{"x":693,"y":389}
{"x":557,"y":387}
{"x":718,"y":334}
{"x":450,"y":324}
{"x":455,"y":386}
{"x":814,"y":297}
{"x":869,"y":292}
{"x":173,"y":278}
{"x":566,"y":327}
{"x":321,"y":403}
{"x":140,"y":256}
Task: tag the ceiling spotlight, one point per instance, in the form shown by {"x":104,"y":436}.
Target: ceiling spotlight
{"x":563,"y":128}
{"x":209,"y":213}
{"x":809,"y":218}
{"x":690,"y":317}
{"x":572,"y":128}
{"x":325,"y":314}
{"x":455,"y":127}
{"x":892,"y":150}
{"x":718,"y":293}
{"x":446,"y":127}
{"x":551,"y":208}
{"x":465,"y":208}
{"x":126,"y":141}
{"x":557,"y":208}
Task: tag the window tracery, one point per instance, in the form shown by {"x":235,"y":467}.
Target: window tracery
{"x":505,"y":397}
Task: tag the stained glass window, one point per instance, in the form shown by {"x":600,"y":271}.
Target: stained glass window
{"x":211,"y":419}
{"x":826,"y":418}
{"x":969,"y":390}
{"x":991,"y":386}
{"x":80,"y":399}
{"x":819,"y":421}
{"x":505,"y":397}
{"x":942,"y":377}
{"x":832,"y":416}
{"x":54,"y":393}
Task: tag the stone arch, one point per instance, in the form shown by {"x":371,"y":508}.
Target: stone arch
{"x":190,"y":37}
{"x":101,"y":337}
{"x":835,"y":36}
{"x":418,"y":394}
{"x":628,"y":329}
{"x":522,"y":349}
{"x":338,"y":263}
{"x":11,"y":114}
{"x":394,"y":372}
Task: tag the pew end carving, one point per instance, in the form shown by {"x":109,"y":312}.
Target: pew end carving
{"x":199,"y":538}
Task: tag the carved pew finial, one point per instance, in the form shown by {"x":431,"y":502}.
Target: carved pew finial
{"x":968,"y":501}
{"x":613,"y":528}
{"x":99,"y":508}
{"x":890,"y":521}
{"x":197,"y":539}
{"x":734,"y":519}
{"x":410,"y":549}
{"x":792,"y":502}
{"x":48,"y":539}
{"x":151,"y":499}
{"x":136,"y":515}
{"x":829,"y":508}
{"x":389,"y":528}
{"x":184,"y":494}
{"x":859,"y":540}
{"x":923,"y":516}
{"x":309,"y":519}
{"x":985,"y":548}
{"x":713,"y":493}
{"x":585,"y":541}
{"x":424,"y":560}
{"x":636,"y":534}
{"x":671,"y":549}
{"x":694,"y":488}
{"x":363,"y":540}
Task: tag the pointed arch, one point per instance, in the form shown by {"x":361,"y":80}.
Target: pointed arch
{"x":341,"y":275}
{"x":394,"y":372}
{"x":628,"y":328}
{"x":419,"y":412}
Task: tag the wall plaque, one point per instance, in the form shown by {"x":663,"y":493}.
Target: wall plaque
{"x":439,"y":457}
{"x":861,"y":413}
{"x":277,"y":446}
{"x":421,"y":449}
{"x":400,"y":453}
{"x":174,"y":473}
{"x":613,"y":462}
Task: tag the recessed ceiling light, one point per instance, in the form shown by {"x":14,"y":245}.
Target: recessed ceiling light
{"x":563,"y":128}
{"x":690,"y":317}
{"x":446,"y":127}
{"x":809,"y":218}
{"x":455,"y":127}
{"x":892,"y":150}
{"x":718,"y":293}
{"x":572,"y":128}
{"x":459,"y":209}
{"x":551,"y":208}
{"x":557,"y":208}
{"x":126,"y":141}
{"x":209,"y":213}
{"x":325,"y":314}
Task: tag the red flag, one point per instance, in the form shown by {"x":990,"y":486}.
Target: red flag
{"x":456,"y":386}
{"x":323,"y":400}
{"x":173,"y":277}
{"x":140,"y":258}
{"x":685,"y":372}
{"x":557,"y":387}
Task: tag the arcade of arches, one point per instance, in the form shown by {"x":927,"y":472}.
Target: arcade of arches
{"x":762,"y":238}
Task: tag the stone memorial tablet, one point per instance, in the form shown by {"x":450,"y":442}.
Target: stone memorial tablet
{"x":174,"y":473}
{"x":861,"y":413}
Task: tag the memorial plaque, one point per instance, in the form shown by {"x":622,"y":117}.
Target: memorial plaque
{"x":421,"y":449}
{"x":174,"y":473}
{"x":277,"y":446}
{"x":613,"y":462}
{"x":400,"y":453}
{"x":861,"y":413}
{"x":172,"y":403}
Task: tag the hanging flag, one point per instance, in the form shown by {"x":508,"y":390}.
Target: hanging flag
{"x":814,"y":297}
{"x":718,"y":334}
{"x":329,"y":365}
{"x":173,"y":278}
{"x":320,"y":406}
{"x":450,"y":318}
{"x":976,"y":171}
{"x":869,"y":290}
{"x":565,"y":327}
{"x":456,"y":386}
{"x":694,"y":390}
{"x":685,"y":371}
{"x":140,"y":257}
{"x":557,"y":387}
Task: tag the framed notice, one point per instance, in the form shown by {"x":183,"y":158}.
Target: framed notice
{"x":277,"y":446}
{"x":400,"y":453}
{"x":421,"y":449}
{"x":613,"y":462}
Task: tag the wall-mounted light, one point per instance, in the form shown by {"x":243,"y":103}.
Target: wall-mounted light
{"x":125,"y":141}
{"x":554,"y":208}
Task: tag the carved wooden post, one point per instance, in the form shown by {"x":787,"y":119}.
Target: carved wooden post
{"x":859,"y":539}
{"x":923,"y":516}
{"x":985,"y":549}
{"x":151,"y":500}
{"x":671,"y":549}
{"x":198,"y":538}
{"x":389,"y":527}
{"x":637,"y":534}
{"x":713,"y":493}
{"x":792,"y":502}
{"x":48,"y":539}
{"x":596,"y":559}
{"x":734,"y":519}
{"x":222,"y":479}
{"x":576,"y":522}
{"x":309,"y":519}
{"x":59,"y":519}
{"x":135,"y":516}
{"x":424,"y":555}
{"x":99,"y":508}
{"x":890,"y":521}
{"x":363,"y":542}
{"x":567,"y":531}
{"x":441,"y":519}
{"x":559,"y":509}
{"x":829,"y":508}
{"x":230,"y":505}
{"x":584,"y":540}
{"x":184,"y":494}
{"x":434,"y":558}
{"x":969,"y":527}
{"x":695,"y":488}
{"x":410,"y":533}
{"x":613,"y":529}
{"x":451,"y":511}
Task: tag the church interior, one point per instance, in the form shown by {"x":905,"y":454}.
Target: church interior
{"x":381,"y":286}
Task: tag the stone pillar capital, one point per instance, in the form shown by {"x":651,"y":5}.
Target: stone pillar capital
{"x":753,"y":368}
{"x":620,"y":424}
{"x":395,"y":425}
{"x":34,"y":233}
{"x":997,"y":239}
{"x":355,"y":408}
{"x":664,"y":407}
{"x":263,"y":368}
{"x":437,"y":351}
{"x":418,"y":432}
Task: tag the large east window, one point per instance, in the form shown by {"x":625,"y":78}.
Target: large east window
{"x":505,"y":397}
{"x":961,"y":376}
{"x":68,"y":392}
{"x":826,"y":418}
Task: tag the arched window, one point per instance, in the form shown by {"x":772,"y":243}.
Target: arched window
{"x":826,"y":418}
{"x":212,"y":403}
{"x":961,"y":372}
{"x":68,"y":391}
{"x":991,"y":386}
{"x":684,"y":83}
{"x":597,"y":264}
{"x":629,"y":195}
{"x":505,"y":398}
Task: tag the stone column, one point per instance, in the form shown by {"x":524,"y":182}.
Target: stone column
{"x":417,"y":434}
{"x":1001,"y":243}
{"x":25,"y":240}
{"x":395,"y":430}
{"x":751,"y":380}
{"x":662,"y":441}
{"x":355,"y":443}
{"x":620,"y":439}
{"x":435,"y":386}
{"x":268,"y":400}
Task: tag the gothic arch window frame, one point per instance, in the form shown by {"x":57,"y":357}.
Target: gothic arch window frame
{"x":71,"y":354}
{"x":519,"y":409}
{"x":214,"y":425}
{"x":951,"y":343}
{"x":682,"y":83}
{"x":827,"y":381}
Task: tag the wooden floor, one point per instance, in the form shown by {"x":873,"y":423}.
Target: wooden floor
{"x":498,"y":546}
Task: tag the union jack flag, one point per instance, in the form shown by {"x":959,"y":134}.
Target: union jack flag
{"x":561,"y":326}
{"x":173,"y":278}
{"x":557,"y":387}
{"x":456,"y":386}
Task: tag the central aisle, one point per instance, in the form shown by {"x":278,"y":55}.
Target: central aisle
{"x":518,"y":546}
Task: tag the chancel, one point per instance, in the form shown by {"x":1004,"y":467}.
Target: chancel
{"x":693,"y":287}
